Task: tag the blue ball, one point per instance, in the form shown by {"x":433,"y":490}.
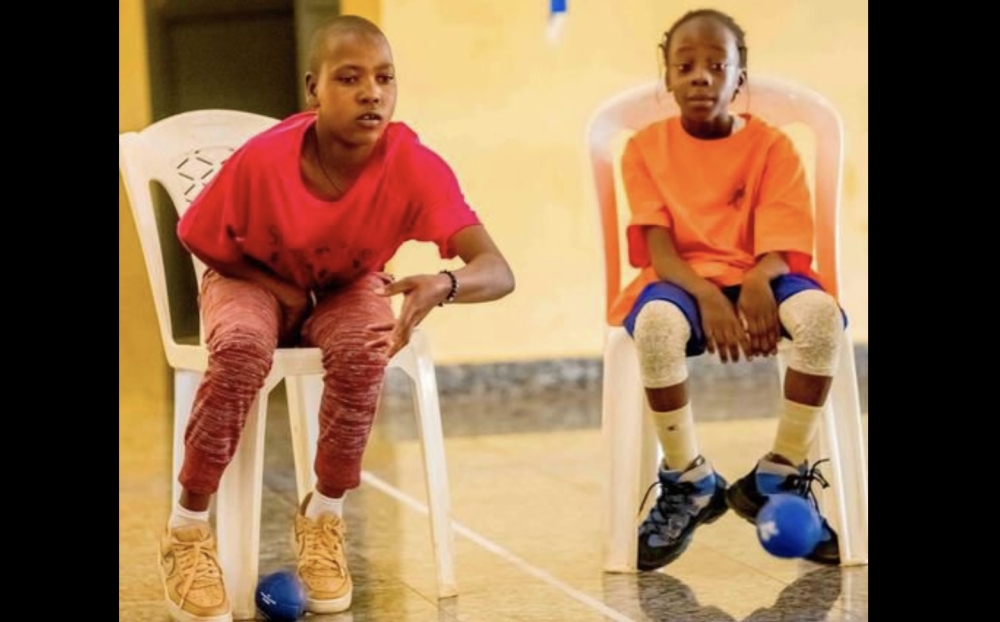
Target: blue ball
{"x":281,"y":597}
{"x":788,"y":526}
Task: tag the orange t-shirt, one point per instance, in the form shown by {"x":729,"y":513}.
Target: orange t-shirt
{"x":725,"y":202}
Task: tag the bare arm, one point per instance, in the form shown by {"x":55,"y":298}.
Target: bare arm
{"x":723,"y":331}
{"x":758,"y":306}
{"x":248,"y":271}
{"x":671,"y":267}
{"x":485,"y":276}
{"x":769,"y":267}
{"x":294,"y":301}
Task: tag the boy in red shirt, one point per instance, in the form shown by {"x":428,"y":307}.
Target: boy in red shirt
{"x":722,"y":231}
{"x":295,"y":230}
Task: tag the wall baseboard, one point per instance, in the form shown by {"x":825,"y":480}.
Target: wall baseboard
{"x":527,"y":379}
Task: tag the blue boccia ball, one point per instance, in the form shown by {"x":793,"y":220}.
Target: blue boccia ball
{"x":281,"y":597}
{"x":788,"y":526}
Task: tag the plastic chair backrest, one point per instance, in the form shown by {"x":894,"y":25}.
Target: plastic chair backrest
{"x":776,"y":100}
{"x":180,"y":153}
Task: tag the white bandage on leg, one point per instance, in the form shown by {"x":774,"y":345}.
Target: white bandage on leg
{"x":675,"y":429}
{"x":813,"y":319}
{"x":797,"y":427}
{"x":661,"y":335}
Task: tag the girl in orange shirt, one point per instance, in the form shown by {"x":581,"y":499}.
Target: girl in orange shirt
{"x":722,"y":231}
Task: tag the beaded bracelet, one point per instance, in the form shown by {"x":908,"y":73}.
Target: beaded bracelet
{"x":454,"y":288}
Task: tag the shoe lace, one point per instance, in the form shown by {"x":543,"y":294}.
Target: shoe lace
{"x":198,"y":563}
{"x":322,"y":550}
{"x":801,"y":483}
{"x":673,"y":509}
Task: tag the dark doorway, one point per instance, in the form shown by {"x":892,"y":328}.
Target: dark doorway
{"x":238,"y":54}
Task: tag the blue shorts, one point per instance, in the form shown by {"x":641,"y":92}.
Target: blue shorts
{"x":784,"y":287}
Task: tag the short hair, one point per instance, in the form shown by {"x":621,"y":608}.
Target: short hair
{"x":340,"y":25}
{"x":719,"y":16}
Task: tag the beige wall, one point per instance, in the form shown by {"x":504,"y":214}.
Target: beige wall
{"x":482,"y":86}
{"x":143,"y":379}
{"x":508,"y":110}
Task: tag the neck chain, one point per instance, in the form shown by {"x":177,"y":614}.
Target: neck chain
{"x":322,"y":167}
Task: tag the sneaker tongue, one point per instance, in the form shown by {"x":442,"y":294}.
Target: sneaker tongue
{"x":768,"y":467}
{"x":773,"y":477}
{"x":195,"y":533}
{"x":698,"y":472}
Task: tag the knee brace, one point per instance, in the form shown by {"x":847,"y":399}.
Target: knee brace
{"x":661,"y":335}
{"x":814,"y":321}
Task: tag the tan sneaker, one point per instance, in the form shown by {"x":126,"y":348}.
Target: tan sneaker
{"x":319,"y":545}
{"x":192,"y":579}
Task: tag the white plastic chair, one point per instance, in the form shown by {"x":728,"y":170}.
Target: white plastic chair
{"x":182,"y":153}
{"x":630,"y":442}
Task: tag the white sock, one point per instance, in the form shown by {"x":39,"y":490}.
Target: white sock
{"x":797,"y":428}
{"x":676,"y":432}
{"x":319,"y":504}
{"x":183,"y":517}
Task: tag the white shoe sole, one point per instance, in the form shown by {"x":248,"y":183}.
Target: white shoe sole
{"x":329,"y":606}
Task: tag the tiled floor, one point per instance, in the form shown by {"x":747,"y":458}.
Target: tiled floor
{"x":526,"y":483}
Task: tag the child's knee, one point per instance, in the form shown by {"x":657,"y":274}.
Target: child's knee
{"x":661,"y":335}
{"x":814,"y":320}
{"x":353,"y":366}
{"x":242,"y":350}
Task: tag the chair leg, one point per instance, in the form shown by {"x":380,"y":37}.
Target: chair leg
{"x":185,"y":386}
{"x":304,"y":395}
{"x":418,"y":364}
{"x":238,"y":505}
{"x":631,"y":450}
{"x":842,"y":439}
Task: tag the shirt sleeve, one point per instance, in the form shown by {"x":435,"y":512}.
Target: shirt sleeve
{"x":645,"y":202}
{"x":442,"y":210}
{"x":214,"y":226}
{"x":783,"y":218}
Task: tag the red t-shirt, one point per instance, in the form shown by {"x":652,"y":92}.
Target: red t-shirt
{"x":258,"y":207}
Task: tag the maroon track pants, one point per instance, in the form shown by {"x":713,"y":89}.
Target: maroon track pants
{"x":242,"y":322}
